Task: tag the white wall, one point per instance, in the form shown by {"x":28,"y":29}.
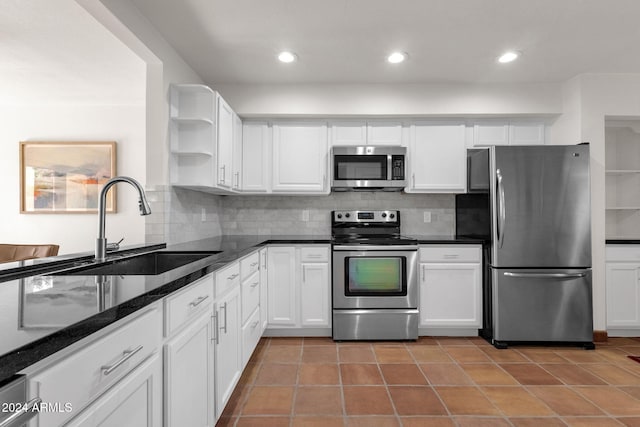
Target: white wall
{"x":603,"y":95}
{"x":73,"y":232}
{"x":393,"y":100}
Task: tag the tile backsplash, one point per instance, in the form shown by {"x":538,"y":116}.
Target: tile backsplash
{"x":181,"y":215}
{"x":284,"y":214}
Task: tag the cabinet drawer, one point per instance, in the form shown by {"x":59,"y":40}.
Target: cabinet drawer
{"x":250,"y":295}
{"x":623,"y":253}
{"x":227,"y":279}
{"x":184,"y":305}
{"x":251,"y":333}
{"x":311,"y":254}
{"x":450,"y":253}
{"x":249,"y":265}
{"x":81,"y":377}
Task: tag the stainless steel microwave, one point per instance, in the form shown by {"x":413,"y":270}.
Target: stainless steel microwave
{"x":368,"y":168}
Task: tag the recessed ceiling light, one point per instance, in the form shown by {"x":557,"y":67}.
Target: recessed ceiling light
{"x":509,"y":56}
{"x":397,"y":57}
{"x":287,"y":57}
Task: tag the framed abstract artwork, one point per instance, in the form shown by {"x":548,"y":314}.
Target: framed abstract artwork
{"x":65,"y":177}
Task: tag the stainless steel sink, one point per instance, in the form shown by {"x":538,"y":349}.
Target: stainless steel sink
{"x":145,"y":264}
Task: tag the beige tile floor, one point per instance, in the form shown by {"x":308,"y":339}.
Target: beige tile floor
{"x":464,"y":382}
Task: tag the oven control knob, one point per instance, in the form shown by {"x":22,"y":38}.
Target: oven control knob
{"x":392,"y":216}
{"x":384,"y":215}
{"x":347,"y":215}
{"x":339,"y":216}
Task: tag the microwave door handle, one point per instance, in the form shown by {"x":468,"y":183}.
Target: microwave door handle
{"x":389,"y":167}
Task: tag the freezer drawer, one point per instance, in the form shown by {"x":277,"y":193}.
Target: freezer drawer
{"x":542,"y":305}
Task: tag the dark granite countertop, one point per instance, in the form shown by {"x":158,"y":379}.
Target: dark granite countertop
{"x":41,"y":313}
{"x":622,"y":241}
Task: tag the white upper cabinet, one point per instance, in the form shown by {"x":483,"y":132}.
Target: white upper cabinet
{"x":203,"y":134}
{"x":300,"y":158}
{"x":384,"y":133}
{"x":345,"y":133}
{"x":437,"y":157}
{"x":256,"y":157}
{"x":225,"y":143}
{"x":349,"y":133}
{"x":237,"y":153}
{"x":505,"y":132}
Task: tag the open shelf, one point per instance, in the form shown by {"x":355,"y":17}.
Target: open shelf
{"x":622,"y":169}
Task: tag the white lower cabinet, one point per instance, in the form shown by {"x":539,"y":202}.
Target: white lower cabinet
{"x":282,"y":289}
{"x":264,"y":285}
{"x":623,"y":295}
{"x":450,"y":286}
{"x":314,"y":296}
{"x":82,"y":378}
{"x":299,"y":287}
{"x":189,"y":376}
{"x":228,"y":357}
{"x":623,"y":290}
{"x":136,"y":401}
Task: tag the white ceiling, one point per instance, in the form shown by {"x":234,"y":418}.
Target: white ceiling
{"x":346,"y":41}
{"x":54,"y":52}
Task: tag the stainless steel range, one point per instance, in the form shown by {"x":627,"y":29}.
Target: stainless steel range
{"x":375,"y":286}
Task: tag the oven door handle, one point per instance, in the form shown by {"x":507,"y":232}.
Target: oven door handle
{"x":375,"y":248}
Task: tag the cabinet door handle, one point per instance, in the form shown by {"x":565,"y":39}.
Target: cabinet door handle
{"x":27,"y":408}
{"x":126,"y":355}
{"x":215,"y":327}
{"x":237,"y":179}
{"x":253,"y":264}
{"x":253,"y":285}
{"x":413,"y":177}
{"x":225,"y":317}
{"x":224,"y":172}
{"x":233,"y":276}
{"x":265,"y":261}
{"x":254,"y":324}
{"x":423,"y":273}
{"x":198,"y":301}
{"x":304,"y":276}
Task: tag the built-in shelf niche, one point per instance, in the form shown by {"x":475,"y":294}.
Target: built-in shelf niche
{"x":622,"y":167}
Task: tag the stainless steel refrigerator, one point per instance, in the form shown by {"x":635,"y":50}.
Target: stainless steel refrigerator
{"x":538,"y":284}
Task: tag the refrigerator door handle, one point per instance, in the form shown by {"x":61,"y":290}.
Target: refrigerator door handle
{"x":546,"y":275}
{"x":501,"y":209}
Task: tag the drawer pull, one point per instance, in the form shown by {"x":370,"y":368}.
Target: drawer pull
{"x":198,"y":301}
{"x":26,"y":409}
{"x":253,"y":285}
{"x":253,"y":264}
{"x":450,"y":256}
{"x":233,"y":276}
{"x":126,"y":355}
{"x":254,"y":324}
{"x":314,"y":256}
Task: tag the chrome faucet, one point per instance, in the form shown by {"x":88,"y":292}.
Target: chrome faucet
{"x":145,"y":209}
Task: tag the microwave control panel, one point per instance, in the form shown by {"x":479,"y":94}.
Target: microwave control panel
{"x":397,"y":167}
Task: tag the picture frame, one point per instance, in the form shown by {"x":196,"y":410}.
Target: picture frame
{"x":65,"y":177}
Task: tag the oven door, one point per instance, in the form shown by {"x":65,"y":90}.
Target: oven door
{"x":375,"y":277}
